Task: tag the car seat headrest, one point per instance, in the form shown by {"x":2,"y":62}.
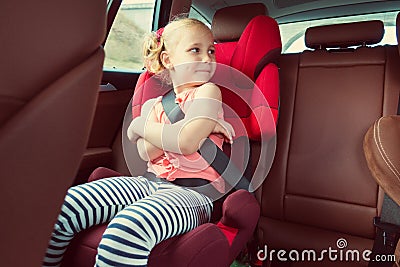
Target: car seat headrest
{"x":344,"y":35}
{"x":259,"y":45}
{"x":229,"y":22}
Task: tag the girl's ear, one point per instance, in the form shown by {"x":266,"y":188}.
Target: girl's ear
{"x":165,"y":59}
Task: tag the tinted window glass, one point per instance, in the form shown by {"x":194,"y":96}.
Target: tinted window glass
{"x":124,"y":43}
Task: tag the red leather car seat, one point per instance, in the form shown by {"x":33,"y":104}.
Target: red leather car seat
{"x":209,"y":244}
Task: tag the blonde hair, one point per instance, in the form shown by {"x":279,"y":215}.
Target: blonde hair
{"x":155,"y":43}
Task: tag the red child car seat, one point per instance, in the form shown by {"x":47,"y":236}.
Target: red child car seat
{"x":254,"y":51}
{"x":209,"y":244}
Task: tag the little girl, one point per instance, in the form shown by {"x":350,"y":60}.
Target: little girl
{"x":141,"y":212}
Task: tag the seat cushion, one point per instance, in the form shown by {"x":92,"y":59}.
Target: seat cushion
{"x":207,"y":245}
{"x":204,"y":246}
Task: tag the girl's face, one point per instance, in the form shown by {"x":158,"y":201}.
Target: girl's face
{"x":191,"y":59}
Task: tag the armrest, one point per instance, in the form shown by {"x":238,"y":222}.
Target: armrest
{"x":205,"y":245}
{"x":240,"y":210}
{"x":102,"y":172}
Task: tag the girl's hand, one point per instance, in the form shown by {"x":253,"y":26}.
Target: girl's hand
{"x":225,"y":129}
{"x":132,"y":131}
{"x":147,"y":108}
{"x":137,"y":126}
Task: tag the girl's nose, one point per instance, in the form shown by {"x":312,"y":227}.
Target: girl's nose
{"x":206,"y":58}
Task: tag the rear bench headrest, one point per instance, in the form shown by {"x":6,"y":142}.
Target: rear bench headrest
{"x":229,"y":22}
{"x":344,"y":35}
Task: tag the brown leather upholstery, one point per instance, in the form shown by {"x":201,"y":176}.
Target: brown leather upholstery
{"x":50,"y":73}
{"x":319,"y":188}
{"x":229,"y":22}
{"x":381,"y":147}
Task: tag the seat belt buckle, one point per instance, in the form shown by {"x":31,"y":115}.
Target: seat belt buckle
{"x":390,"y":232}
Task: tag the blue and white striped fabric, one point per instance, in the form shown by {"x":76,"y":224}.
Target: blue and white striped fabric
{"x":141,"y":213}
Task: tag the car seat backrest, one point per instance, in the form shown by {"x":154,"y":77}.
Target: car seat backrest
{"x":50,"y":75}
{"x":319,"y":188}
{"x":256,"y":54}
{"x":249,"y":41}
{"x":228,"y":25}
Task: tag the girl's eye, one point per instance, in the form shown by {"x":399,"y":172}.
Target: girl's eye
{"x":211,"y":51}
{"x":195,"y":50}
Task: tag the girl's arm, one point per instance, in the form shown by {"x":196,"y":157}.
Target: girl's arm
{"x":148,"y":151}
{"x":185,"y":136}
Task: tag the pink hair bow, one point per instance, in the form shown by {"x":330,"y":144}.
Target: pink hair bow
{"x":159,"y":33}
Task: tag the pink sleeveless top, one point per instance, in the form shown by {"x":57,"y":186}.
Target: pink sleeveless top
{"x":173,"y":166}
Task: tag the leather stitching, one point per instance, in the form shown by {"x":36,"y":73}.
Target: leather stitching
{"x":378,"y":143}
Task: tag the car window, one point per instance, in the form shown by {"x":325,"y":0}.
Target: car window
{"x":194,"y":13}
{"x":292,"y":34}
{"x":123,"y":46}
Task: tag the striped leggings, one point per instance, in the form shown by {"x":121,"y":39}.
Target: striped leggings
{"x":141,"y":213}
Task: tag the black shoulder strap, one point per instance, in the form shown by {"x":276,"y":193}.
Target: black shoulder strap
{"x":171,"y":108}
{"x":209,"y":150}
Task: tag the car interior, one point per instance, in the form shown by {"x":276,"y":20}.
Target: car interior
{"x":64,"y":114}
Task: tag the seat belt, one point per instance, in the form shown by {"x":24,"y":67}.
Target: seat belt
{"x":387,"y":234}
{"x":212,"y":154}
{"x":388,"y":229}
